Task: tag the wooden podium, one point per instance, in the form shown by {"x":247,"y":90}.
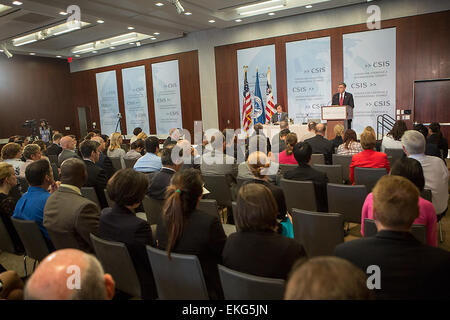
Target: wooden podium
{"x":336,"y":115}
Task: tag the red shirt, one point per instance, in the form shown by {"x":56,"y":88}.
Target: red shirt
{"x":368,"y":159}
{"x":283,"y":158}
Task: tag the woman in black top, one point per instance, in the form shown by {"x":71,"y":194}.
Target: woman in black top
{"x":257,"y":248}
{"x":184,"y":229}
{"x":438,"y":139}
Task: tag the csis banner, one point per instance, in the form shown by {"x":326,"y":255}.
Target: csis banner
{"x":370,"y":75}
{"x":108,"y":101}
{"x":308,"y":64}
{"x":166,"y":95}
{"x":135,"y":98}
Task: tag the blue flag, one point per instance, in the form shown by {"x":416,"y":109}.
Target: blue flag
{"x":259,"y":115}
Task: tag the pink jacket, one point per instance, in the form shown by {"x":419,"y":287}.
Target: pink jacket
{"x":427,"y":217}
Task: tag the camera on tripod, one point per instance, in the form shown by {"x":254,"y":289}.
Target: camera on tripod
{"x":31,"y":124}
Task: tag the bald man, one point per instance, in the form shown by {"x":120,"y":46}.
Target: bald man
{"x":320,"y":144}
{"x":68,"y":145}
{"x":69,"y":217}
{"x":69,"y":274}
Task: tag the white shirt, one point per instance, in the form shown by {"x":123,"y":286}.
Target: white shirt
{"x":436,"y":179}
{"x":390,"y":143}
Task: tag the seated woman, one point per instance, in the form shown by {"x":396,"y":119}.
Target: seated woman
{"x":127,"y":189}
{"x":350,"y":146}
{"x":438,"y":139}
{"x":287,"y":156}
{"x":115,"y":150}
{"x":136,"y":150}
{"x":258,"y":248}
{"x":368,"y":158}
{"x":186,"y":230}
{"x":338,"y":139}
{"x":393,"y":139}
{"x":412,"y":170}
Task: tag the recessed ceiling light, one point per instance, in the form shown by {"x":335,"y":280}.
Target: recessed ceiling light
{"x":156,"y":33}
{"x":32,"y":53}
{"x":188,"y":13}
{"x":1,"y":50}
{"x":308,"y":6}
{"x":77,"y":55}
{"x":112,"y":48}
{"x":100,"y":21}
{"x":130,"y":28}
{"x":63,"y":13}
{"x":153,"y":38}
{"x":132,"y":43}
{"x":138,"y":43}
{"x":17,"y":3}
{"x":238,"y":20}
{"x":212,"y":21}
{"x":271,"y":14}
{"x":58,"y":56}
{"x":159,"y":4}
{"x":94,"y":51}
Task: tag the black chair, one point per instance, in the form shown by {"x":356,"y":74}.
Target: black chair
{"x":368,"y":176}
{"x":419,"y":231}
{"x":396,"y":154}
{"x":89,"y":193}
{"x":426,"y":194}
{"x":108,"y":199}
{"x":180,"y":278}
{"x":346,"y":200}
{"x":129,"y":163}
{"x":23,"y":184}
{"x":345,"y":162}
{"x":219,"y":189}
{"x":333,"y":172}
{"x":116,"y":162}
{"x":286,"y":167}
{"x":55,"y":171}
{"x":53,"y":159}
{"x":234,"y":209}
{"x":116,"y":260}
{"x":33,"y":241}
{"x":63,"y":240}
{"x":242,"y":286}
{"x":210,"y":206}
{"x":299,"y":194}
{"x":317,"y":158}
{"x":153,"y":209}
{"x":6,"y":243}
{"x":318,"y":232}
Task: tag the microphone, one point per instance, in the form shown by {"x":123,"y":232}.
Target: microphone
{"x":119,"y":115}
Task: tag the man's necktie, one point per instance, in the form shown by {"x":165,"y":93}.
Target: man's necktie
{"x":341,"y":101}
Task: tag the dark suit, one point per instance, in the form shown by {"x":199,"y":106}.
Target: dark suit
{"x":121,"y":225}
{"x":159,"y":183}
{"x":203,"y":236}
{"x":105,"y":163}
{"x":54,"y":149}
{"x":283,"y":117}
{"x":97,"y":179}
{"x":264,"y":254}
{"x":319,"y":144}
{"x":347,"y":101}
{"x":409,"y":269}
{"x":305,"y":173}
{"x":66,"y":154}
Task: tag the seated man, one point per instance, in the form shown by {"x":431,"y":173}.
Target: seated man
{"x":311,"y":131}
{"x":31,"y":152}
{"x":31,"y":205}
{"x":174,"y":136}
{"x":279,"y":116}
{"x":216,"y":161}
{"x":96,"y":176}
{"x":104,"y":161}
{"x":68,"y":145}
{"x":149,"y":162}
{"x":407,"y":269}
{"x":55,"y":278}
{"x":54,"y":148}
{"x":284,"y":125}
{"x":304,"y":172}
{"x":320,"y":144}
{"x":67,"y":213}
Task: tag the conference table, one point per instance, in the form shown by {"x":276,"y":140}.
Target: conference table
{"x":271,"y":130}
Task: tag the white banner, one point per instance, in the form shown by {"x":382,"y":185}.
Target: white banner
{"x":166,"y":95}
{"x":260,"y":58}
{"x":135,"y":98}
{"x":308,"y":64}
{"x":108,"y":101}
{"x":370,"y":73}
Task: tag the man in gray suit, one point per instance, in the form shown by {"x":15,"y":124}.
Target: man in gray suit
{"x":216,"y":162}
{"x":68,"y":145}
{"x":68,"y":216}
{"x":279,"y":116}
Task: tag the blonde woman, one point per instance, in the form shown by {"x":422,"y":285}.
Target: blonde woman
{"x":287,"y":156}
{"x":339,"y":133}
{"x":141,"y":136}
{"x":114,"y":150}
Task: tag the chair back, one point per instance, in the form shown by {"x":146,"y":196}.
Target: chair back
{"x":180,"y":278}
{"x":53,"y":159}
{"x":333,"y":172}
{"x":299,"y":194}
{"x":369,"y":176}
{"x":153,"y":209}
{"x":209,"y":206}
{"x":23,"y":184}
{"x":286,"y":167}
{"x":346,"y":200}
{"x":370,"y":228}
{"x":344,"y":161}
{"x":219,"y":189}
{"x":242,"y":286}
{"x":318,"y":232}
{"x":89,"y":193}
{"x":32,"y":238}
{"x":63,"y":240}
{"x":396,"y":154}
{"x":129,"y":163}
{"x":426,"y":194}
{"x":117,"y":164}
{"x":317,"y":158}
{"x":116,"y":260}
{"x":108,"y":199}
{"x":6,"y":243}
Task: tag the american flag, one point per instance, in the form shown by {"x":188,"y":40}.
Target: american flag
{"x":270,"y":105}
{"x":247,"y":108}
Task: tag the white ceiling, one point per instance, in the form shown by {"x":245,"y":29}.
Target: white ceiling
{"x":143,"y":15}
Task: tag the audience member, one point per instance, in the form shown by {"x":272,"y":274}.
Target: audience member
{"x":338,"y":133}
{"x":320,"y":144}
{"x":184,"y":229}
{"x":278,"y":143}
{"x":115,"y":150}
{"x":150,"y":162}
{"x":43,"y":147}
{"x":136,"y":131}
{"x":136,"y":150}
{"x":257,"y":248}
{"x":55,"y":148}
{"x":142,"y":136}
{"x":311,"y":131}
{"x":393,"y":139}
{"x":174,"y":136}
{"x":12,"y":153}
{"x":191,"y":158}
{"x":431,"y":149}
{"x":68,"y":145}
{"x":11,"y":286}
{"x":67,"y":212}
{"x":216,"y":162}
{"x":31,"y":153}
{"x":438,"y":139}
{"x":304,"y":172}
{"x":368,"y":158}
{"x":405,"y":268}
{"x":45,"y":131}
{"x":127,"y":189}
{"x":327,"y":278}
{"x":51,"y":279}
{"x":349,"y":146}
{"x":411,"y":170}
{"x":104,"y":161}
{"x":258,"y":141}
{"x":434,"y":170}
{"x":96,"y":176}
{"x":287,"y":156}
{"x":90,"y":135}
{"x":30,"y":207}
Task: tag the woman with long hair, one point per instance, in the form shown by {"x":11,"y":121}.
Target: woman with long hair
{"x":350,"y":146}
{"x":339,"y":135}
{"x":438,"y":139}
{"x":287,"y":156}
{"x":393,"y":139}
{"x":184,"y":229}
{"x":45,"y":131}
{"x":115,"y":150}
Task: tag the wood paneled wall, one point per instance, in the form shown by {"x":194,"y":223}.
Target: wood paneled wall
{"x":423,"y":52}
{"x":85,"y":90}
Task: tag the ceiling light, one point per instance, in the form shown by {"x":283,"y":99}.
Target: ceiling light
{"x":1,"y":50}
{"x":156,"y":33}
{"x":77,"y":55}
{"x":111,"y":43}
{"x":124,"y":38}
{"x":188,"y":13}
{"x":258,"y":4}
{"x":17,"y":3}
{"x":261,"y":10}
{"x":308,"y":6}
{"x":84,"y":48}
{"x":132,"y":43}
{"x":177,"y":5}
{"x":238,"y":20}
{"x":25,"y":40}
{"x":153,"y":38}
{"x":94,"y":51}
{"x":271,"y":14}
{"x":63,"y":13}
{"x":32,"y":54}
{"x":138,"y":43}
{"x":159,"y":4}
{"x":212,"y":21}
{"x":130,"y":28}
{"x":112,"y":48}
{"x":6,"y":51}
{"x":58,"y":56}
{"x":100,"y":21}
{"x":4,"y":8}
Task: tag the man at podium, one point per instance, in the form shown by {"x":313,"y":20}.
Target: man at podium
{"x":279,"y":116}
{"x":343,"y":98}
